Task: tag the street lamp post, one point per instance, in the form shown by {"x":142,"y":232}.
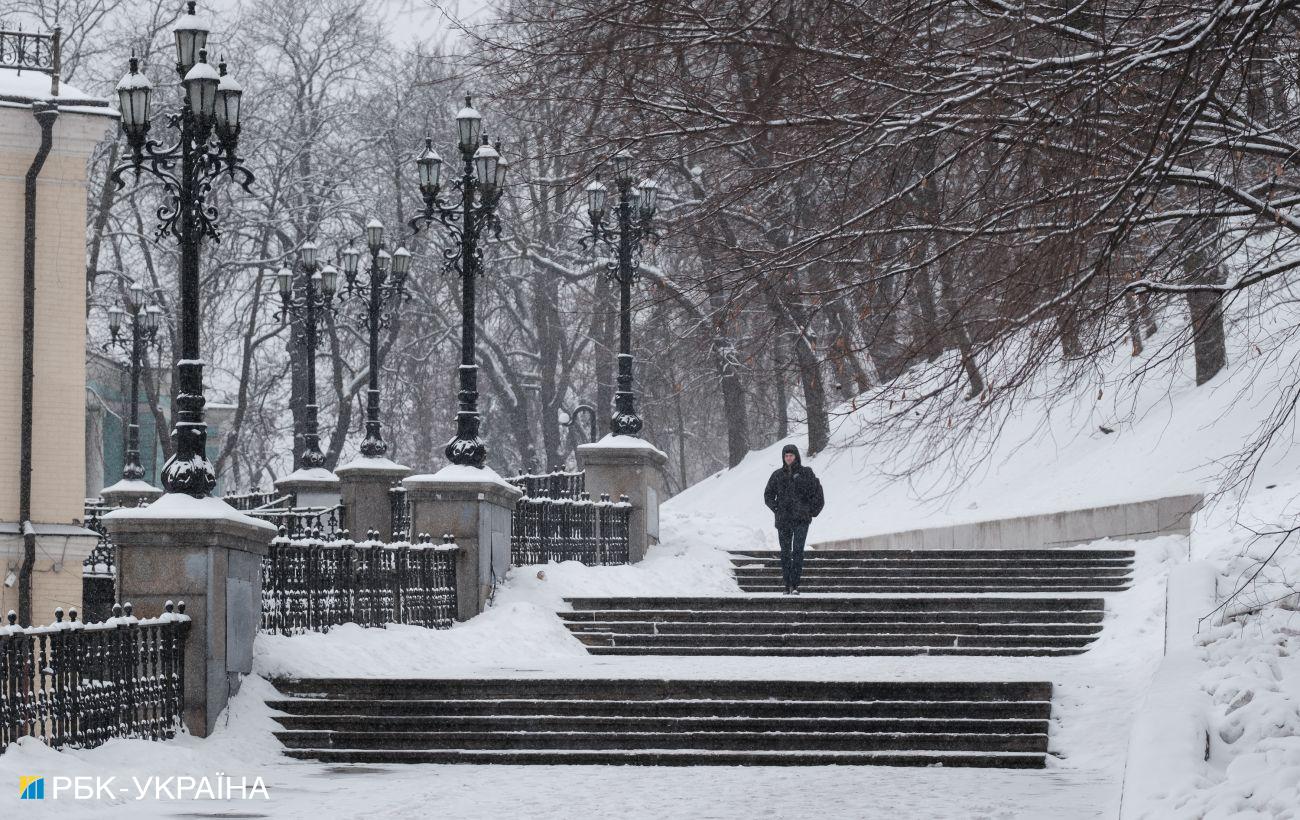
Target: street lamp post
{"x":304,"y":303}
{"x":143,"y":333}
{"x":208,"y":135}
{"x":379,"y":291}
{"x":480,"y":185}
{"x":634,"y":218}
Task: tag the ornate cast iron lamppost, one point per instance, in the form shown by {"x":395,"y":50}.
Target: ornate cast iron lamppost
{"x":208,"y":134}
{"x":143,"y":333}
{"x":314,"y":296}
{"x":379,"y":291}
{"x":480,"y":184}
{"x":634,"y":215}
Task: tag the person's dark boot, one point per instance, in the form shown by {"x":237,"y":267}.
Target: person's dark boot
{"x":787,"y":589}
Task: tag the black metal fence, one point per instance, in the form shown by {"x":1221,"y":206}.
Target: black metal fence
{"x":256,"y":500}
{"x":556,"y":520}
{"x":400,"y":508}
{"x":80,"y":684}
{"x":313,"y":585}
{"x":30,"y":50}
{"x":555,"y":484}
{"x":99,"y":569}
{"x":327,"y":523}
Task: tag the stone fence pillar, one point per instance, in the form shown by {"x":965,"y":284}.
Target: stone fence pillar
{"x":475,"y":505}
{"x":626,"y":465}
{"x":317,"y":487}
{"x":365,"y":483}
{"x":130,"y":493}
{"x":203,"y":552}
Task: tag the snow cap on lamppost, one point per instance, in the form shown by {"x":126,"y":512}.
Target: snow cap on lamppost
{"x":649,"y":195}
{"x":329,"y":281}
{"x":596,"y":191}
{"x":191,"y":38}
{"x":201,"y":83}
{"x":469,"y":127}
{"x":401,"y":266}
{"x":350,"y":258}
{"x":308,"y":253}
{"x":485,"y":164}
{"x":133,"y":93}
{"x":429,"y":165}
{"x":623,"y":167}
{"x":375,"y":235}
{"x":229,"y":94}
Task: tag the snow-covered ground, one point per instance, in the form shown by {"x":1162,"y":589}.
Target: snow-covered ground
{"x":1245,"y":669}
{"x":520,"y":636}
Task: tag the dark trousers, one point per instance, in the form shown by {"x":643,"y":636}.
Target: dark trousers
{"x":791,"y":538}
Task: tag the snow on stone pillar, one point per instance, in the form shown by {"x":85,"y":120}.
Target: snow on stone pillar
{"x":316,"y":487}
{"x":626,"y":465}
{"x":475,"y":505}
{"x":203,"y":552}
{"x":130,"y":493}
{"x":365,"y":483}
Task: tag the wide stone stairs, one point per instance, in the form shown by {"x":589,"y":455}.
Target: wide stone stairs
{"x":975,"y":603}
{"x":665,"y":722}
{"x":941,"y":571}
{"x":822,"y":626}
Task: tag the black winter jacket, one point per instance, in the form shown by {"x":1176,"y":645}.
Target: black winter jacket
{"x":793,"y":493}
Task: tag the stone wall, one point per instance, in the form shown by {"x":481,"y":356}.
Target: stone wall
{"x":1134,"y":521}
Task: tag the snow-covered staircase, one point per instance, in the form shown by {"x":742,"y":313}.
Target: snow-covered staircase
{"x":665,"y":722}
{"x":823,"y":625}
{"x":941,"y":571}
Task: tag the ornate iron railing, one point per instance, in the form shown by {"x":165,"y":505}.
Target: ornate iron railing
{"x":555,"y":484}
{"x":254,"y":500}
{"x":326,"y":523}
{"x":313,"y":585}
{"x":99,"y":569}
{"x":563,"y":529}
{"x":80,"y":684}
{"x":400,"y":508}
{"x":31,"y":51}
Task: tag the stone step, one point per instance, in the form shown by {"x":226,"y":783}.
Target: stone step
{"x":811,"y":559}
{"x":674,"y":758}
{"x":828,"y":640}
{"x":825,"y":604}
{"x":497,"y":708}
{"x":835,"y":651}
{"x":902,"y":581}
{"x":676,"y":740}
{"x":913,"y":573}
{"x":951,"y":554}
{"x":384,"y":722}
{"x":626,"y":689}
{"x":781,"y":616}
{"x":821,"y":626}
{"x":859,"y":588}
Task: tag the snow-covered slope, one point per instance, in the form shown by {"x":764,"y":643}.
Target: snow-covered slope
{"x":1169,"y":437}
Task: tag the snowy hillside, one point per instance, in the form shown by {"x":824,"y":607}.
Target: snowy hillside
{"x":1169,"y":437}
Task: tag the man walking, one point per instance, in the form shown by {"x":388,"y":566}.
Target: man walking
{"x":794,"y":494}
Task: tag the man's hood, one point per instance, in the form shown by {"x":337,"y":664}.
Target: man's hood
{"x":790,"y":448}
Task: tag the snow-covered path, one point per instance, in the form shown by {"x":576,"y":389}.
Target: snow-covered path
{"x":1095,"y":698}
